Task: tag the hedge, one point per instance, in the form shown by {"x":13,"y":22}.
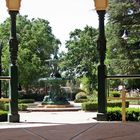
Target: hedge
{"x":93,"y":106}
{"x":26,"y":101}
{"x":117,"y":103}
{"x":21,"y":107}
{"x":114,"y":93}
{"x":89,"y":106}
{"x":81,"y":100}
{"x":3,"y":116}
{"x":114,"y":114}
{"x":35,"y":96}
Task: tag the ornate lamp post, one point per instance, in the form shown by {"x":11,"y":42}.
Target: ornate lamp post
{"x":13,"y":9}
{"x":101,"y":6}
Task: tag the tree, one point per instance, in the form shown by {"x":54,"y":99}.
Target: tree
{"x":81,"y":58}
{"x":36,"y":44}
{"x":123,"y":57}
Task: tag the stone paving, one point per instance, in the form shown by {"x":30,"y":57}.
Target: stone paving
{"x":67,"y":125}
{"x":77,"y":125}
{"x":28,"y":119}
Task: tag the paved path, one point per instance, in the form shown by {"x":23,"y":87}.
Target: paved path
{"x":67,"y":126}
{"x":28,"y":119}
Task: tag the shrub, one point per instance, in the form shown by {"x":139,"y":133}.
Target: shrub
{"x":93,"y":106}
{"x":3,"y":115}
{"x":117,"y":104}
{"x":26,"y":101}
{"x":21,"y":107}
{"x":89,"y":106}
{"x":80,"y":100}
{"x":133,"y":114}
{"x":93,"y":97}
{"x":6,"y":107}
{"x":114,"y":114}
{"x":74,"y":92}
{"x":81,"y":95}
{"x":114,"y":93}
{"x":35,"y":96}
{"x":2,"y":105}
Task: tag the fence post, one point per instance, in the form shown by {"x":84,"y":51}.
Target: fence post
{"x":123,"y":104}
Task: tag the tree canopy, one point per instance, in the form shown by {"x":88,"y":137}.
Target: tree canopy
{"x":123,"y":56}
{"x":82,"y":57}
{"x":36,"y":44}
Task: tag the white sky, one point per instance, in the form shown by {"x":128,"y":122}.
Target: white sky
{"x":64,"y":15}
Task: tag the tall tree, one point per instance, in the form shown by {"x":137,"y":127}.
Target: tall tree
{"x":36,"y":44}
{"x":81,"y":58}
{"x":123,"y":56}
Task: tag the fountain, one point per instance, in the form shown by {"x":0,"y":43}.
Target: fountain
{"x":56,"y":97}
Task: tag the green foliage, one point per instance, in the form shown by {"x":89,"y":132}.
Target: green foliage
{"x":117,"y":103}
{"x":81,"y":95}
{"x":1,"y":105}
{"x":26,"y":101}
{"x":80,"y":100}
{"x":31,"y":96}
{"x":93,"y":97}
{"x":36,"y":44}
{"x":21,"y":107}
{"x":89,"y":106}
{"x":87,"y":85}
{"x":3,"y":115}
{"x":133,"y":114}
{"x":6,"y":107}
{"x":93,"y":106}
{"x":81,"y":58}
{"x":114,"y":93}
{"x":75,"y":90}
{"x":123,"y":56}
{"x":114,"y":114}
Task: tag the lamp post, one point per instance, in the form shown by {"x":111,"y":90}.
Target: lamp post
{"x":101,"y":6}
{"x":13,"y":9}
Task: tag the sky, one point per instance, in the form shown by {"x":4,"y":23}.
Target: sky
{"x":64,"y":15}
